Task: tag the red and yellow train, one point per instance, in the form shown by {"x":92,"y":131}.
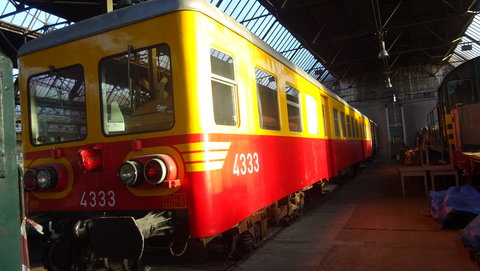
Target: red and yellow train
{"x":169,"y":121}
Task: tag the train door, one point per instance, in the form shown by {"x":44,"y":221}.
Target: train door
{"x":327,"y":133}
{"x":362,"y":137}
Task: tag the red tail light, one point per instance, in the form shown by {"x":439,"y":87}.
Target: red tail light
{"x":155,"y":171}
{"x":30,"y":179}
{"x":46,"y":177}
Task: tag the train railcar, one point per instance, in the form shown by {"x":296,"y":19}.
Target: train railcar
{"x":454,"y":123}
{"x":169,"y":121}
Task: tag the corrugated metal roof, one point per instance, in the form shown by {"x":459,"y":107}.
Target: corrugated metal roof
{"x":469,"y":47}
{"x":254,"y":17}
{"x":263,"y":24}
{"x":29,"y":18}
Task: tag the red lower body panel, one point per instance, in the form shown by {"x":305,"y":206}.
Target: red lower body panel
{"x":222,"y":183}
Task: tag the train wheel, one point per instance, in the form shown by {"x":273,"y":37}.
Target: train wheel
{"x":258,"y":234}
{"x":58,"y":256}
{"x":230,"y":242}
{"x":246,"y":241}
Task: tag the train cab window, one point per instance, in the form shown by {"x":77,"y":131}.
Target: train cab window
{"x":137,"y":92}
{"x":57,"y":106}
{"x":344,"y":127}
{"x":267,"y":100}
{"x":460,"y":92}
{"x":312,"y":114}
{"x":223,"y":88}
{"x":293,"y":107}
{"x":336,"y":123}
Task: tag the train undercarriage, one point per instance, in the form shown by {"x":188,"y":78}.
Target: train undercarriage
{"x":86,"y":241}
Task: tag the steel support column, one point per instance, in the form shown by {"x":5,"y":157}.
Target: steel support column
{"x":10,"y":248}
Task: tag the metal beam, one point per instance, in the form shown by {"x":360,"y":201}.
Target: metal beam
{"x":21,"y":9}
{"x":450,"y":5}
{"x":393,"y":13}
{"x":359,"y":60}
{"x":18,"y":30}
{"x":368,"y":32}
{"x":433,"y":33}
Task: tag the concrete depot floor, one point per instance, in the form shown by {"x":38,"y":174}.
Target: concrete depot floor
{"x":365,"y":224}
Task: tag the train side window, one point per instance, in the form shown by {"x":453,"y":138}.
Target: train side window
{"x":57,"y":106}
{"x":336,"y":122}
{"x":136,"y":90}
{"x":349,"y":126}
{"x":293,"y":107}
{"x":360,"y":131}
{"x":223,"y":88}
{"x":312,"y":114}
{"x":267,"y":100}
{"x":352,"y":126}
{"x":356,"y":128}
{"x":344,"y":127}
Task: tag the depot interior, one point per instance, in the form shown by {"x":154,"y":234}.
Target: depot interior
{"x":386,"y":58}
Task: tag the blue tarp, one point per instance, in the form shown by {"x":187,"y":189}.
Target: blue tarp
{"x":471,"y":234}
{"x":456,"y":203}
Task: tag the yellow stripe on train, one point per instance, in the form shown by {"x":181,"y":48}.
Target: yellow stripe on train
{"x":203,"y":146}
{"x":204,"y":166}
{"x":204,"y":156}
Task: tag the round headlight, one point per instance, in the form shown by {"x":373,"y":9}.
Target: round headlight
{"x":155,"y":171}
{"x":129,"y":172}
{"x":47,"y":178}
{"x":30,"y":179}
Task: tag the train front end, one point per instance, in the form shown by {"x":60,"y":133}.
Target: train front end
{"x":105,"y":113}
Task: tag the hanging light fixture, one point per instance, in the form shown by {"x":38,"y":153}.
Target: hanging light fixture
{"x":382,"y":54}
{"x":388,"y":83}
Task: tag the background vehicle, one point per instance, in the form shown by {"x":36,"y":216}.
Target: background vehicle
{"x":169,"y":123}
{"x":454,"y":124}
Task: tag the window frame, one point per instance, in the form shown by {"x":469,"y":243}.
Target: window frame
{"x":259,"y":105}
{"x":343,"y":124}
{"x":226,"y":81}
{"x":336,"y":122}
{"x":349,"y":126}
{"x":355,"y":131}
{"x":100,"y":82}
{"x":298,"y":106}
{"x":311,"y":103}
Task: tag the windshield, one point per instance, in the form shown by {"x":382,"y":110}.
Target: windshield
{"x":137,"y":93}
{"x":57,"y":106}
